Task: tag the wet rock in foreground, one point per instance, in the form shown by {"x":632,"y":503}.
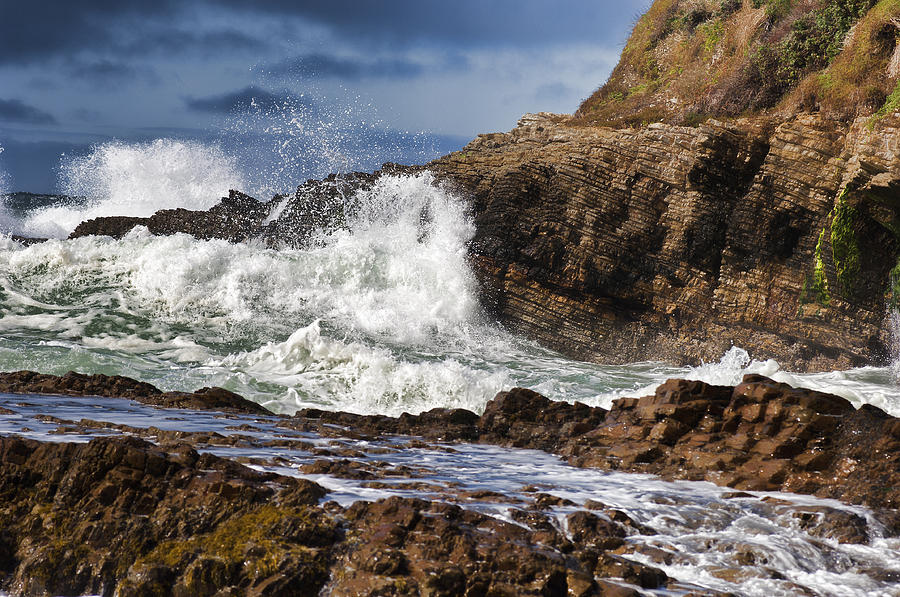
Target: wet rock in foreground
{"x":760,"y":435}
{"x":121,"y":516}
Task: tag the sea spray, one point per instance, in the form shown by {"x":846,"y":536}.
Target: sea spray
{"x":8,"y":224}
{"x":281,"y":141}
{"x":136,"y":179}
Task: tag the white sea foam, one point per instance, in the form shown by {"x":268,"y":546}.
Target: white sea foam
{"x":378,"y":316}
{"x":137,"y":179}
{"x":400,"y":326}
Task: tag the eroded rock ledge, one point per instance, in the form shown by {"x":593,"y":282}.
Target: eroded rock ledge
{"x":669,"y":242}
{"x":118,"y":386}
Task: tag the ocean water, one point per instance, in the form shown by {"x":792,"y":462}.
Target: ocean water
{"x":379,"y":316}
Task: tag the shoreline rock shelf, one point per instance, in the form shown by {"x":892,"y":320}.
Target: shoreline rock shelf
{"x":120,"y":514}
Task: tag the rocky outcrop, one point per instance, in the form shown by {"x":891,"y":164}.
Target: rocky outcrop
{"x":120,"y":516}
{"x":282,"y":221}
{"x":117,"y":386}
{"x":235,"y":218}
{"x":675,"y":243}
{"x":759,"y":435}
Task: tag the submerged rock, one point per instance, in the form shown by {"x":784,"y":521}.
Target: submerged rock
{"x":117,"y":386}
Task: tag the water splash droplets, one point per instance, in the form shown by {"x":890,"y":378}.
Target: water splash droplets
{"x":136,"y":179}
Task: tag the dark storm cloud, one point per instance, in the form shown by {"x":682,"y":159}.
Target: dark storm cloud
{"x":109,"y":73}
{"x":172,"y":41}
{"x":36,"y":31}
{"x":14,"y":110}
{"x":323,"y":65}
{"x":462,"y":23}
{"x":33,"y":31}
{"x":241,"y":100}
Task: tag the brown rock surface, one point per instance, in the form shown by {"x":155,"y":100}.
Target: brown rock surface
{"x":759,"y":435}
{"x":674,"y":243}
{"x":117,"y":386}
{"x":413,"y":547}
{"x":121,"y":515}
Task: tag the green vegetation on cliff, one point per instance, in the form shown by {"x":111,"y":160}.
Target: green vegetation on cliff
{"x":688,"y":60}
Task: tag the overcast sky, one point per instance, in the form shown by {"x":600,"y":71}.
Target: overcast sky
{"x":73,"y":73}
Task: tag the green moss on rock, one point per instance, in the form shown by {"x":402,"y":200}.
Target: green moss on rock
{"x":269,"y":541}
{"x":816,"y":290}
{"x":844,"y":244}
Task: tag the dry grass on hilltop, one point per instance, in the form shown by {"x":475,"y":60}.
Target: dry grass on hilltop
{"x":688,"y":60}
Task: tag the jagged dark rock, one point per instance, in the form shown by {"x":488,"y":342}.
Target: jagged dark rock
{"x":236,"y":218}
{"x":121,"y":516}
{"x":282,"y":221}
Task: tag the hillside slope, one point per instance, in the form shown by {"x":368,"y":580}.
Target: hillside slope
{"x":688,"y":60}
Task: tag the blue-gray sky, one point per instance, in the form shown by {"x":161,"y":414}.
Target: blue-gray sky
{"x":76,"y":73}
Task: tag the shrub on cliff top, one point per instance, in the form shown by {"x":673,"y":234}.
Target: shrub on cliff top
{"x":690,"y":58}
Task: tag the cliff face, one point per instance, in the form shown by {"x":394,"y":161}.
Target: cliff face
{"x":771,"y":223}
{"x":670,"y":242}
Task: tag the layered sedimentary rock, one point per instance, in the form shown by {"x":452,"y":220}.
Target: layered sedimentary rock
{"x":669,"y":242}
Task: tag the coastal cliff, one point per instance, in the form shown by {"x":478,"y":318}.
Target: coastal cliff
{"x":735,"y":181}
{"x":672,"y":242}
{"x":743,"y":202}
